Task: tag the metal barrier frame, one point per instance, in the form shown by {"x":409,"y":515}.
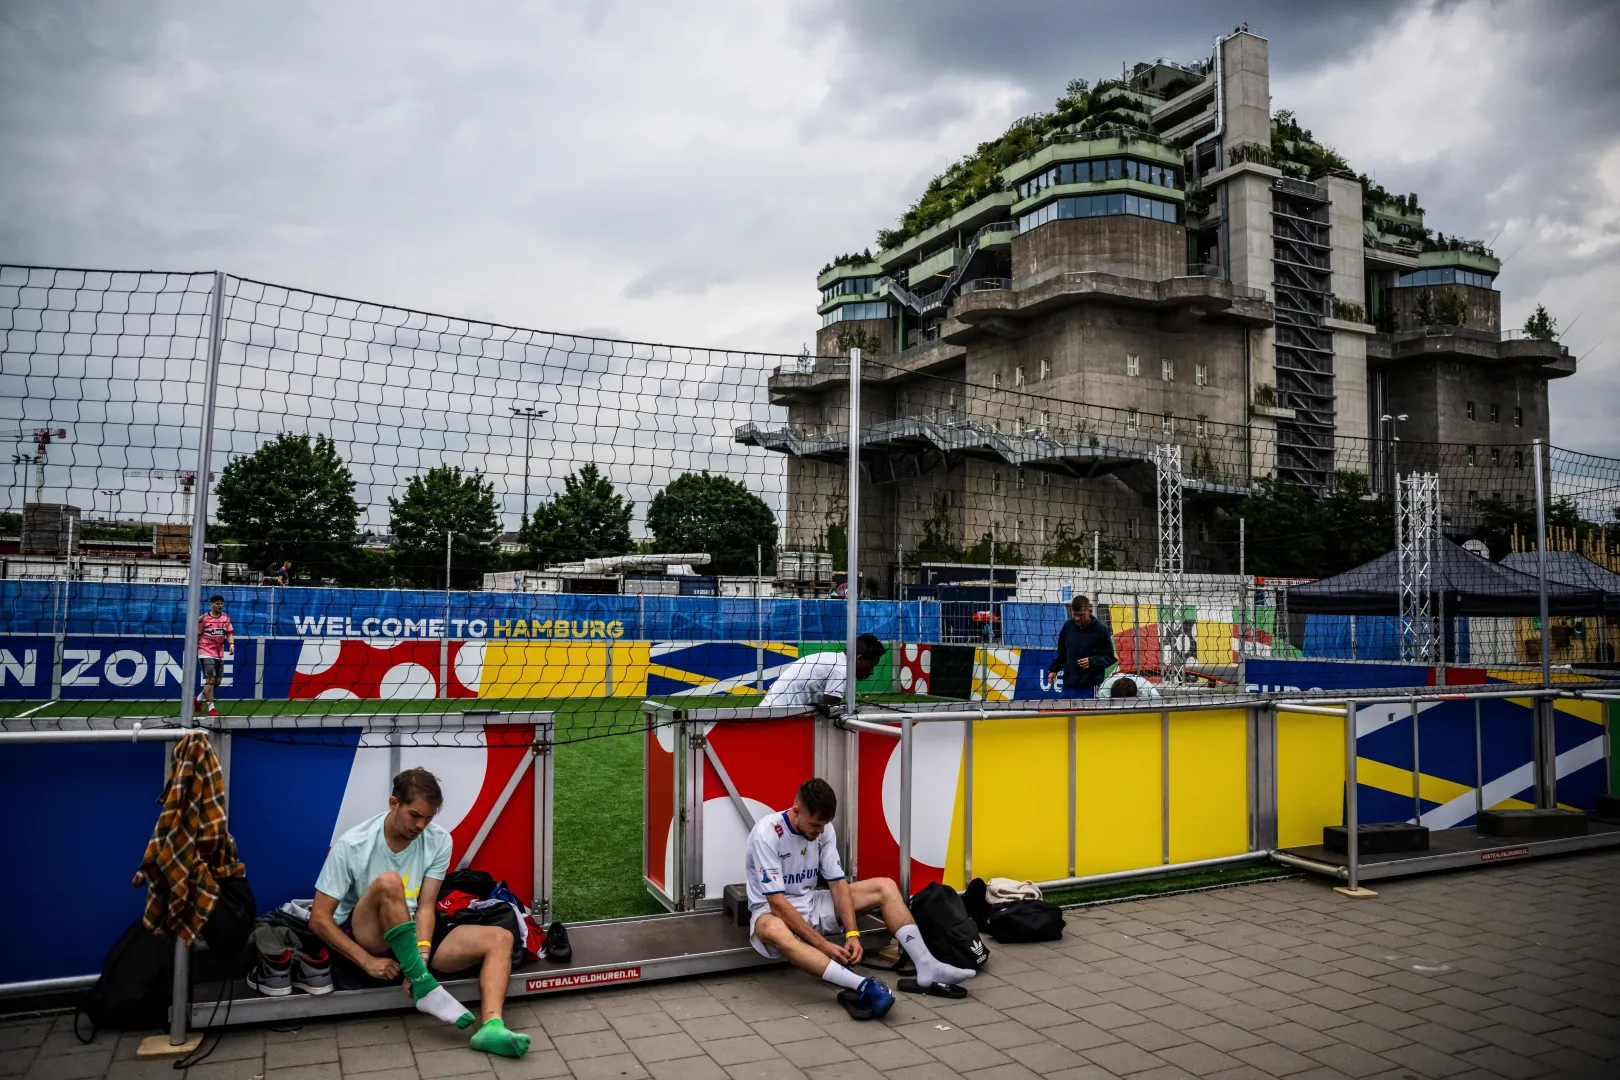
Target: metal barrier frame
{"x":183,"y":1012}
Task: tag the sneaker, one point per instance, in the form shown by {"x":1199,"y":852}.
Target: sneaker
{"x":272,"y":976}
{"x":558,"y":951}
{"x":873,"y":995}
{"x":211,"y":710}
{"x":312,"y":974}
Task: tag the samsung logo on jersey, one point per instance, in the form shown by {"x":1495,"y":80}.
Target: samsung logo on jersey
{"x":799,"y":878}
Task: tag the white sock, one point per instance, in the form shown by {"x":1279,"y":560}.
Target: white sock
{"x":839,"y":975}
{"x":441,"y":1004}
{"x":930,"y":972}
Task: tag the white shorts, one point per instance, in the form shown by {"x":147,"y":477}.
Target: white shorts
{"x":817,"y":908}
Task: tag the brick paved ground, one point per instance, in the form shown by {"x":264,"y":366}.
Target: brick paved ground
{"x":1507,"y":972}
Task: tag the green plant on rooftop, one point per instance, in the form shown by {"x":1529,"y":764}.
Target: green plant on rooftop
{"x":1073,"y":548}
{"x":1348,"y":311}
{"x":1541,"y":325}
{"x":1450,"y":309}
{"x":1249,"y":151}
{"x":989,"y":549}
{"x":1180,"y":85}
{"x":1082,"y":109}
{"x":1297,"y":153}
{"x":849,"y":260}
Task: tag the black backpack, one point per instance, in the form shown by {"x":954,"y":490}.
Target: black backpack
{"x":136,"y":983}
{"x":1023,"y":921}
{"x":946,"y":929}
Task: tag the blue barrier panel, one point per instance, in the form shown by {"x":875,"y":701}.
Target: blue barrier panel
{"x":26,"y":667}
{"x":1026,"y":625}
{"x":65,"y":925}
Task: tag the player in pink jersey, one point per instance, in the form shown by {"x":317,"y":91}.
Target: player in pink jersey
{"x":215,"y":638}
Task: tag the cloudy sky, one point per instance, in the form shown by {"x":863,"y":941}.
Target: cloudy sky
{"x":679,"y":172}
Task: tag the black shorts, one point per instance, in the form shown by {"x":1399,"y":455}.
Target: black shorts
{"x":212,"y":667}
{"x":502,"y":916}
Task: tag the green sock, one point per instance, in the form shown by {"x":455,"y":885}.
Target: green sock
{"x":493,"y":1038}
{"x":402,"y":939}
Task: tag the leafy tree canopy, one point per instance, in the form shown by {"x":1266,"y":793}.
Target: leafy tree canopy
{"x":445,"y":500}
{"x":292,"y":498}
{"x":1294,"y":531}
{"x":1073,"y":548}
{"x":1541,"y":325}
{"x":588,"y":519}
{"x":1003,"y":553}
{"x":1500,"y":521}
{"x":713,"y":514}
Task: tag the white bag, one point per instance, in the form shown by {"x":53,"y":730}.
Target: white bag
{"x":1000,"y":890}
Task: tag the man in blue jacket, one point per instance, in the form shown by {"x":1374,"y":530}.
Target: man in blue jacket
{"x":1085,"y":650}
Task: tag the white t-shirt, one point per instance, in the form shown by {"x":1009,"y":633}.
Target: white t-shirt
{"x":779,"y":860}
{"x":804,"y":681}
{"x":361,"y":855}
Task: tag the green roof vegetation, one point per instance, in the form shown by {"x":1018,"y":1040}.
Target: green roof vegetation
{"x":850,"y":260}
{"x":1082,"y":108}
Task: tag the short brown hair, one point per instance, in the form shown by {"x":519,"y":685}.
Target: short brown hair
{"x":413,"y":784}
{"x":1079,"y":602}
{"x":817,"y":798}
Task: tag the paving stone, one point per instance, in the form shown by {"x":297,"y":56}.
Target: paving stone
{"x":844,"y":1070}
{"x":326,"y":1070}
{"x":93,"y":1063}
{"x":1199,"y":1059}
{"x":894,"y":1054}
{"x":1122,"y":1058}
{"x":589,"y":1044}
{"x":664,"y":1047}
{"x":738,"y":1050}
{"x":608,"y":1067}
{"x":1012,"y":1070}
{"x":573,"y":1023}
{"x":1578,"y":1066}
{"x":931,"y":1070}
{"x":359,"y":1032}
{"x":355,"y":1059}
{"x":639,"y":1025}
{"x":535,"y":1065}
{"x":1275,"y":1060}
{"x":698,"y":1068}
{"x":1152,"y":1036}
{"x":1503,"y":1063}
{"x":774,"y":1069}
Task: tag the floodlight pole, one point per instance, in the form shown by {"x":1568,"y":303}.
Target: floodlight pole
{"x":529,"y":414}
{"x":852,"y":530}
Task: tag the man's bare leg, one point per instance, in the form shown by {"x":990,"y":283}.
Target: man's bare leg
{"x":884,"y":894}
{"x":489,"y":947}
{"x":381,"y":923}
{"x":801,"y":954}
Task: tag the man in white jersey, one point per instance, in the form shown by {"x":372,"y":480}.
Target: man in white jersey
{"x":790,"y":917}
{"x":819,"y":679}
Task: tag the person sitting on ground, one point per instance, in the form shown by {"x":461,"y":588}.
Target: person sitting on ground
{"x":820,"y":678}
{"x":374,"y":905}
{"x":1085,"y":650}
{"x":789,"y":917}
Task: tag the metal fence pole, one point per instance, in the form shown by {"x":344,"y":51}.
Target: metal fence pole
{"x":180,"y":1005}
{"x":852,"y":576}
{"x":1352,"y":831}
{"x":1417,"y":768}
{"x":1479,"y":768}
{"x":905,"y":806}
{"x":1541,"y":561}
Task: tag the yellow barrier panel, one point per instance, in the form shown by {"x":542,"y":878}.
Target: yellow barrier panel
{"x":1310,"y":776}
{"x":1020,"y":783}
{"x":1119,"y":816}
{"x":563,"y":669}
{"x":1209,"y":784}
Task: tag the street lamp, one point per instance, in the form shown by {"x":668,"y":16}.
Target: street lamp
{"x":114,"y":503}
{"x":530,"y":414}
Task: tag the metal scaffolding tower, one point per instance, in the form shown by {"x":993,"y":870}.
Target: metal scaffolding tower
{"x":1417,"y":522}
{"x":1174,"y":647}
{"x":1302,"y":282}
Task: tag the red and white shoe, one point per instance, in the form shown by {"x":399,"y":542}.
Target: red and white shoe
{"x":211,"y":710}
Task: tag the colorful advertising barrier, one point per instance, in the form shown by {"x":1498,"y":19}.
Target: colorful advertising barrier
{"x":292,"y":792}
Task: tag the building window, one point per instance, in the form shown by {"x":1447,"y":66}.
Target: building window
{"x":1019,"y":429}
{"x":1202,"y":426}
{"x":1046,"y":367}
{"x":1043,"y":530}
{"x":1018,"y":376}
{"x":1166,"y":424}
{"x":1090,"y":206}
{"x":1472,"y":452}
{"x":995,"y":483}
{"x":1021,"y":479}
{"x":879,"y":310}
{"x":1447,"y":275}
{"x":1133,"y":529}
{"x":1496,"y":456}
{"x":1470,"y":410}
{"x":1046,"y":419}
{"x":1201,"y":374}
{"x":1133,"y":365}
{"x":995,"y":380}
{"x":1518,"y":459}
{"x":1046,"y":479}
{"x":1518,"y":417}
{"x":1167,"y":370}
{"x":1018,"y":530}
{"x":1473,"y":498}
{"x":1203,"y":532}
{"x":1133,"y":419}
{"x":1496,"y":414}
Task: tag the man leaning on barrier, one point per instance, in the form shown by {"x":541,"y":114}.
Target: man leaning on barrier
{"x":819,"y":679}
{"x":1085,"y":650}
{"x":374,"y":904}
{"x":790,"y":917}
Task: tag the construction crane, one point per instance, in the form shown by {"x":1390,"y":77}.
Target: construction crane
{"x":43,"y":437}
{"x":184,"y":479}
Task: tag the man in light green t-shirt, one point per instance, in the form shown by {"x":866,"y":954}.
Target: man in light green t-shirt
{"x":374,"y":903}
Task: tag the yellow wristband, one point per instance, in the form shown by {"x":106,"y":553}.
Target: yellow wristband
{"x":424,"y":944}
{"x":852,"y":933}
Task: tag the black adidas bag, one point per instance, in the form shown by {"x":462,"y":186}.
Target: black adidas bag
{"x":1023,"y":921}
{"x":946,"y":929}
{"x":136,"y":983}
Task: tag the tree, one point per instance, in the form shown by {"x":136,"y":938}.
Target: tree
{"x":445,"y":500}
{"x":1294,"y":531}
{"x":588,"y":519}
{"x":1541,"y":325}
{"x":713,"y":514}
{"x":1500,"y":521}
{"x":855,"y":337}
{"x":1072,"y":548}
{"x":292,"y":498}
{"x":1003,"y":553}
